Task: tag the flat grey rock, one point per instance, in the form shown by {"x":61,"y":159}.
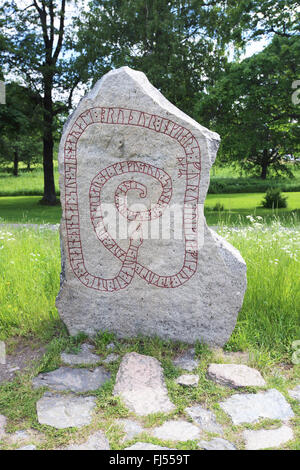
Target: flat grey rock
{"x":267,"y":438}
{"x":126,"y":137}
{"x":189,"y":380}
{"x":3,"y":421}
{"x":84,"y":356}
{"x":75,"y":380}
{"x":235,"y":375}
{"x":250,"y":407}
{"x":140,"y":383}
{"x":187,"y":361}
{"x":96,"y":441}
{"x":130,"y":427}
{"x":216,"y":444}
{"x":29,"y":447}
{"x":177,"y":431}
{"x":65,"y":411}
{"x":295,"y":393}
{"x":205,"y":419}
{"x":113,"y":357}
{"x":146,"y":446}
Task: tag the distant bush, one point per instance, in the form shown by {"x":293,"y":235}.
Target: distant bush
{"x":274,"y":199}
{"x":218,"y":207}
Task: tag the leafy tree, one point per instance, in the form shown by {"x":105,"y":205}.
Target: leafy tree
{"x":20,"y":127}
{"x":251,"y":107}
{"x":179,"y":44}
{"x":32,"y":49}
{"x":271,"y":17}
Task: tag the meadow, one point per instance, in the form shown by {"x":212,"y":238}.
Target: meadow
{"x":20,"y":197}
{"x":26,"y":209}
{"x":224,"y":180}
{"x":267,"y":325}
{"x":268,"y":321}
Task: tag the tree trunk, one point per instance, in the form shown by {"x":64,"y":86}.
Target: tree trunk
{"x":264,"y":165}
{"x":16,"y":163}
{"x":49,"y":197}
{"x":28,"y":166}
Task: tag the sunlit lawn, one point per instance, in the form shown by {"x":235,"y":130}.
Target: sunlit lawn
{"x":25,"y":209}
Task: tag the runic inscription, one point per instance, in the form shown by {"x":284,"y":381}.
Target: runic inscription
{"x":189,"y":167}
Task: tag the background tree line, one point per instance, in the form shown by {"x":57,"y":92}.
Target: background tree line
{"x":53,"y":46}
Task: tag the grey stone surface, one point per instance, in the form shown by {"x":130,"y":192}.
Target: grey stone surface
{"x":23,"y":358}
{"x":130,"y":427}
{"x":189,"y":380}
{"x":177,"y":431}
{"x":65,"y":411}
{"x":267,"y":438}
{"x":96,"y":441}
{"x":216,"y":444}
{"x":3,"y":421}
{"x":85,"y":356}
{"x":141,"y":385}
{"x":235,"y":375}
{"x":124,"y":137}
{"x":295,"y":393}
{"x":249,"y":407}
{"x":113,"y":357}
{"x":187,"y":360}
{"x":205,"y":419}
{"x":2,"y":353}
{"x":29,"y":447}
{"x":146,"y":446}
{"x":75,"y":380}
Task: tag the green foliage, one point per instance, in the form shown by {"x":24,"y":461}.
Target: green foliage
{"x":33,"y":49}
{"x":274,"y":199}
{"x":269,"y":319}
{"x":176,"y":43}
{"x":218,"y":207}
{"x":250,"y":106}
{"x":20,"y":127}
{"x":28,"y":183}
{"x":29,"y":275}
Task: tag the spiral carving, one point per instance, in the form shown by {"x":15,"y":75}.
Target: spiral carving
{"x":188,"y":167}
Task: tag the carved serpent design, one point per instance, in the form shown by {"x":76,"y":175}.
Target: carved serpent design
{"x":190,"y":167}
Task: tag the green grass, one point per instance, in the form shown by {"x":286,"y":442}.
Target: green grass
{"x":29,"y":280}
{"x":270,"y":317}
{"x":268,"y":321}
{"x":29,"y":183}
{"x":248,"y":201}
{"x":238,"y":206}
{"x":26,"y":209}
{"x":267,"y":325}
